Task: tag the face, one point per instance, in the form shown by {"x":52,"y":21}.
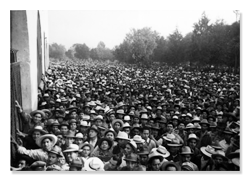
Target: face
{"x":21,"y":163}
{"x":218,"y":160}
{"x":145,"y":134}
{"x":171,"y":168}
{"x":136,"y":132}
{"x":79,"y":141}
{"x":192,"y":143}
{"x":143,"y":159}
{"x":186,"y":158}
{"x":37,"y":118}
{"x":204,"y":127}
{"x":127,"y":130}
{"x":55,"y":129}
{"x":110,"y":136}
{"x":104,"y":145}
{"x":170,"y":127}
{"x":181,"y":126}
{"x":130,"y":165}
{"x":173,"y":150}
{"x":85,"y":151}
{"x":47,"y":144}
{"x":117,"y":126}
{"x":52,"y":159}
{"x":136,"y":120}
{"x":92,"y":134}
{"x":128,"y":149}
{"x":69,"y":141}
{"x":112,"y":164}
{"x":36,"y":134}
{"x":98,"y":122}
{"x":156,"y":163}
{"x":73,"y":115}
{"x":73,"y":126}
{"x":64,"y":130}
{"x":71,"y":156}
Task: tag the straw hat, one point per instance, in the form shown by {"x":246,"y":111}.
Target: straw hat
{"x":138,"y":139}
{"x":38,"y":128}
{"x":94,"y":164}
{"x":192,"y":136}
{"x":122,"y":135}
{"x":117,"y":120}
{"x":71,"y":148}
{"x":52,"y":137}
{"x":208,"y":150}
{"x":221,"y":154}
{"x":186,"y":150}
{"x":33,"y":113}
{"x":161,"y":151}
{"x":126,"y":125}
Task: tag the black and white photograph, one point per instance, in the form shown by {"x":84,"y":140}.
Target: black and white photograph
{"x":125,"y":90}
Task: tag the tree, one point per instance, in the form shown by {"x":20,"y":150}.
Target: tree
{"x":94,"y":54}
{"x":103,"y":52}
{"x":56,"y":51}
{"x":142,"y":43}
{"x":175,"y":48}
{"x":122,"y":52}
{"x":201,"y":42}
{"x":82,"y":51}
{"x":159,"y":53}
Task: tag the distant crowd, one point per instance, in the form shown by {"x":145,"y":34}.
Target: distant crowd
{"x":111,"y":117}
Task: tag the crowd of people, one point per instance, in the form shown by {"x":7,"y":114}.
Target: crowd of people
{"x":106,"y":117}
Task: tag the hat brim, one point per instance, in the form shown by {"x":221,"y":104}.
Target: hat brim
{"x":174,"y":145}
{"x":52,"y":137}
{"x":218,"y":155}
{"x":236,"y":161}
{"x":71,"y":150}
{"x":33,"y":113}
{"x":87,"y":165}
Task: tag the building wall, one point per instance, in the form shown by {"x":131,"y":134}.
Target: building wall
{"x":24,"y":35}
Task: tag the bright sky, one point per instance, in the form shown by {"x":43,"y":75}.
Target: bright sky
{"x":111,"y":27}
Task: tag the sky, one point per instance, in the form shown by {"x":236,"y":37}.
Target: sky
{"x":92,"y":26}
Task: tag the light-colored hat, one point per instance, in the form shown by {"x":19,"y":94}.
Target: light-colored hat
{"x":169,"y":137}
{"x":94,"y":164}
{"x":126,"y":118}
{"x":133,"y":144}
{"x":99,"y":117}
{"x":86,"y":117}
{"x":204,"y":121}
{"x":85,"y":124}
{"x":52,"y":137}
{"x":93,"y":112}
{"x":236,"y":161}
{"x":138,"y":139}
{"x":72,"y":148}
{"x":221,"y":154}
{"x":175,"y":117}
{"x":79,"y":135}
{"x":186,"y":150}
{"x":190,"y":126}
{"x":33,"y":113}
{"x":117,"y":120}
{"x":208,"y":150}
{"x":196,"y":119}
{"x":189,"y":115}
{"x":192,"y":136}
{"x":154,"y":154}
{"x":126,"y":125}
{"x":82,"y":145}
{"x":161,"y":150}
{"x":122,"y":135}
{"x":144,"y":116}
{"x":120,"y":111}
{"x":39,"y":128}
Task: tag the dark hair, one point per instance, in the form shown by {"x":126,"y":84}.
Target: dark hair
{"x":170,"y":122}
{"x":118,"y":159}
